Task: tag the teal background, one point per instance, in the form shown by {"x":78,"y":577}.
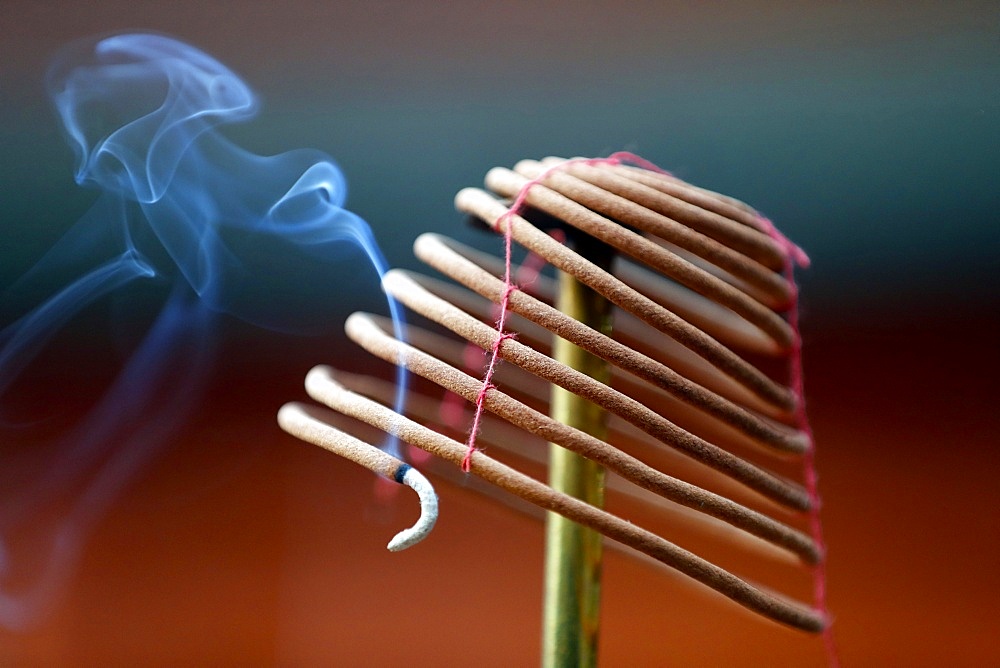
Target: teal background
{"x":868,"y":132}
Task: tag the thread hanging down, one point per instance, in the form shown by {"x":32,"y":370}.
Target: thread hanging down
{"x":809,"y":473}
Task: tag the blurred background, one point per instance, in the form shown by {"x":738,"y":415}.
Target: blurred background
{"x":870,"y":134}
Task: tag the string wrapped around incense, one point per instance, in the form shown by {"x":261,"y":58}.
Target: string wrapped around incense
{"x":698,"y":292}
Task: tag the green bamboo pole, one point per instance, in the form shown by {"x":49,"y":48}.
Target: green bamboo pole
{"x":572,"y":596}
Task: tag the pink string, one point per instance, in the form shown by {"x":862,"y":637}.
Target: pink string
{"x":488,"y":385}
{"x":795,"y":256}
{"x":452,"y":408}
{"x":506,"y":220}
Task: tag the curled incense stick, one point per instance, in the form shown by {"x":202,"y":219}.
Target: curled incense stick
{"x":301,"y":421}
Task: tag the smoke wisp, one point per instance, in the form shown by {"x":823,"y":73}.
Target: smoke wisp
{"x":183,"y":212}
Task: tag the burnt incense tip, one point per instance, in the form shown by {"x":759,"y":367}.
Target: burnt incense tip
{"x":401,"y":473}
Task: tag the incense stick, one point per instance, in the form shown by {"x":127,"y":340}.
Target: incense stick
{"x":302,"y":421}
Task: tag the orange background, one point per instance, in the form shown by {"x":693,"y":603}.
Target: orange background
{"x":242,"y":545}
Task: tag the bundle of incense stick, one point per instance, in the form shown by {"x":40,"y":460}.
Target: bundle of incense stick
{"x":658,"y":354}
